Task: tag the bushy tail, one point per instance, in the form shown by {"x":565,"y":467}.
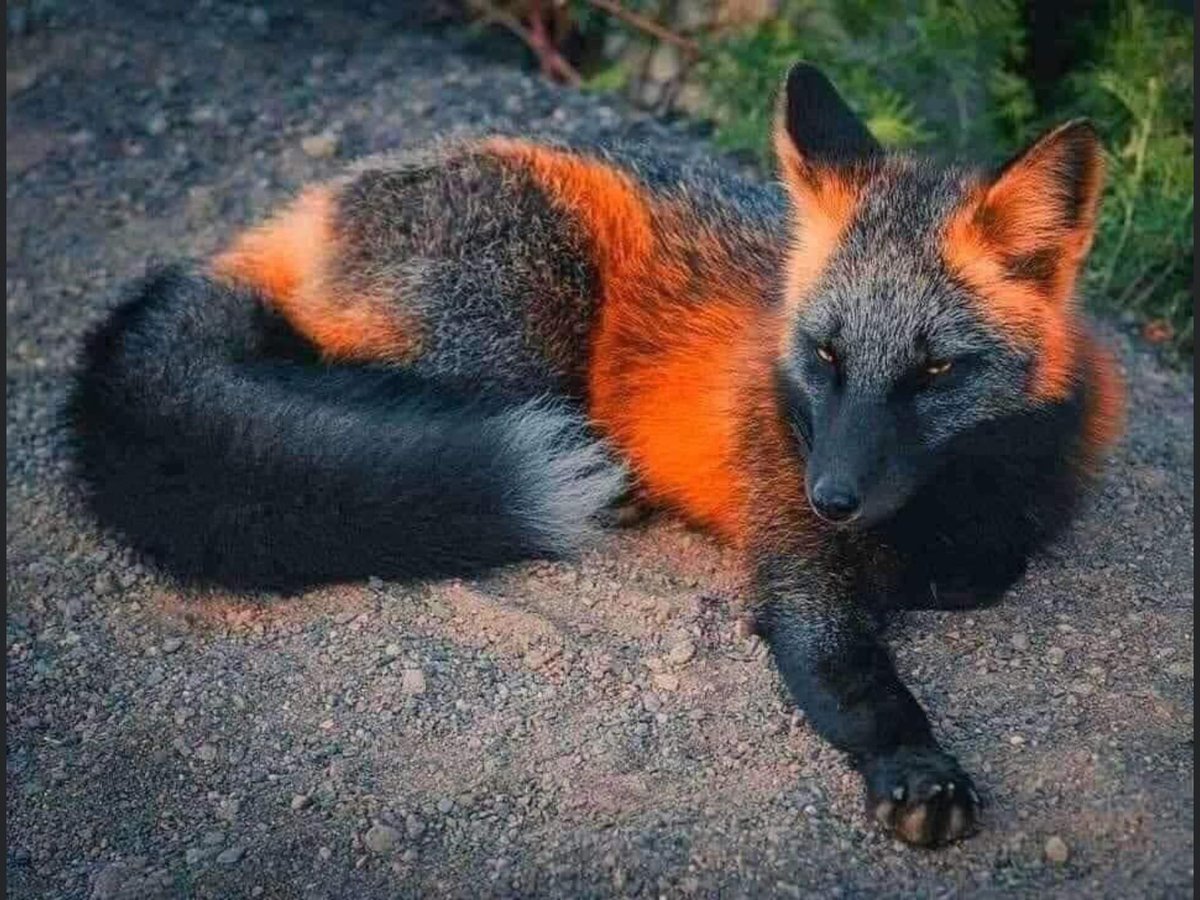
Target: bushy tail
{"x":209,"y":436}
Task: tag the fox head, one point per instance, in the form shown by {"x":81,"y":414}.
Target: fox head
{"x":920,"y":303}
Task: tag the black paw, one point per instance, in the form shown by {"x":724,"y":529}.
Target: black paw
{"x":921,"y":795}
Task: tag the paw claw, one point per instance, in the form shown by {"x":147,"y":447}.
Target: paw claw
{"x":885,"y":813}
{"x":921,"y":795}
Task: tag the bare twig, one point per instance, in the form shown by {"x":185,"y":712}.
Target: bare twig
{"x":535,"y":37}
{"x":666,"y":35}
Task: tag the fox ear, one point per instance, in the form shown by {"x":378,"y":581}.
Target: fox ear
{"x":1038,"y":214}
{"x":1020,"y":239}
{"x":818,"y":138}
{"x":815,"y":129}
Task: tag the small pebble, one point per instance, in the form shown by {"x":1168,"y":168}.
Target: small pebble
{"x":1056,"y":850}
{"x":231,"y":855}
{"x":320,"y":146}
{"x":170,"y":645}
{"x":1020,"y":642}
{"x":665,"y":681}
{"x":682,"y":653}
{"x":301,"y":801}
{"x":381,"y":839}
{"x":412,"y":682}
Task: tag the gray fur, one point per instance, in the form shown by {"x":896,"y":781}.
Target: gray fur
{"x":564,"y":478}
{"x":888,"y":304}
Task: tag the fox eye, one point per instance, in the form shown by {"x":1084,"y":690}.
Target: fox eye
{"x":937,"y":367}
{"x":825,"y":354}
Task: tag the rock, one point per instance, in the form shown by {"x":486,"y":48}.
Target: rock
{"x":196,"y":855}
{"x":320,"y":146}
{"x":231,"y":855}
{"x":1056,"y":850}
{"x":665,"y":681}
{"x":1181,"y":670}
{"x":301,"y":801}
{"x":170,"y":645}
{"x":445,"y":805}
{"x":109,"y":881}
{"x":1055,"y":655}
{"x":412,"y":682}
{"x":1020,"y":642}
{"x":541,"y":656}
{"x":381,"y":839}
{"x":682,"y":653}
{"x":228,"y":809}
{"x":415,"y":827}
{"x":259,"y":19}
{"x":206,"y":753}
{"x":157,"y":124}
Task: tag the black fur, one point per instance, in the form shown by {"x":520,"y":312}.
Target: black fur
{"x":216,"y":442}
{"x":824,"y":129}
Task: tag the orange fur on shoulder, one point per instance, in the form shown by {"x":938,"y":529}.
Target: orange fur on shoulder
{"x":663,"y":386}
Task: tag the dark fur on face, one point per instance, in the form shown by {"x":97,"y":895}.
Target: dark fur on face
{"x":893,"y":361}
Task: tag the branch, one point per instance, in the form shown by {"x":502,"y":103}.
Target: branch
{"x":536,"y":39}
{"x":613,"y":8}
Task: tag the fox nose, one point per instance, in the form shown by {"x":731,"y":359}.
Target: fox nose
{"x":834,"y":501}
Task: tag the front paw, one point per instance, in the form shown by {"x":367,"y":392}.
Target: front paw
{"x":922,"y":795}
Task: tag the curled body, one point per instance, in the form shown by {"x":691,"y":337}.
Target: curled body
{"x":872,"y":378}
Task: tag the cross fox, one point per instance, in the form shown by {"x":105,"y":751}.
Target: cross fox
{"x":874,"y":381}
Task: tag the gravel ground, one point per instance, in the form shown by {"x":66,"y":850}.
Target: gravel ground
{"x":599,"y":729}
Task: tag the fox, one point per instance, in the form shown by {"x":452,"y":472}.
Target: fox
{"x":872,"y":377}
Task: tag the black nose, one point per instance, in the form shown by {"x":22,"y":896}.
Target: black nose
{"x":834,"y":502}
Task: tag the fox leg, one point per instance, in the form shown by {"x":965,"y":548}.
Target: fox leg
{"x":825,"y":643}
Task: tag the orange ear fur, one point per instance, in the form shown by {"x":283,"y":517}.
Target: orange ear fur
{"x":823,"y":205}
{"x":1020,"y":241}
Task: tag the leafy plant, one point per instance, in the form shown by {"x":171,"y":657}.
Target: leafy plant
{"x":1140,"y":93}
{"x":879,"y":55}
{"x":946,"y":76}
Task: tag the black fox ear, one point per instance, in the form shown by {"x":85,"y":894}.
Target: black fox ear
{"x":816,"y":127}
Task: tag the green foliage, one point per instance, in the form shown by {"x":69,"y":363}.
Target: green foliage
{"x":945,"y":76}
{"x":1140,"y":93}
{"x":956,"y":56}
{"x":960,"y":60}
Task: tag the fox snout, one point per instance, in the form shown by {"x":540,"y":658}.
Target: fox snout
{"x":861,"y":469}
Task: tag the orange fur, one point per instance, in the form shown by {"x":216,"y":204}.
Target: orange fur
{"x":823,"y":205}
{"x":606,"y":202}
{"x":1024,"y":215}
{"x":672,"y":407}
{"x":288,"y":259}
{"x":1106,"y":402}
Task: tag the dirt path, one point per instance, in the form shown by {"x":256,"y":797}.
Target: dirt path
{"x":589,"y":730}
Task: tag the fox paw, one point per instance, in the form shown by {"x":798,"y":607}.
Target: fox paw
{"x":921,"y":795}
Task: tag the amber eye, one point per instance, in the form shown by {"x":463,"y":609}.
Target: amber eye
{"x":938,"y":367}
{"x":825,"y":353}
